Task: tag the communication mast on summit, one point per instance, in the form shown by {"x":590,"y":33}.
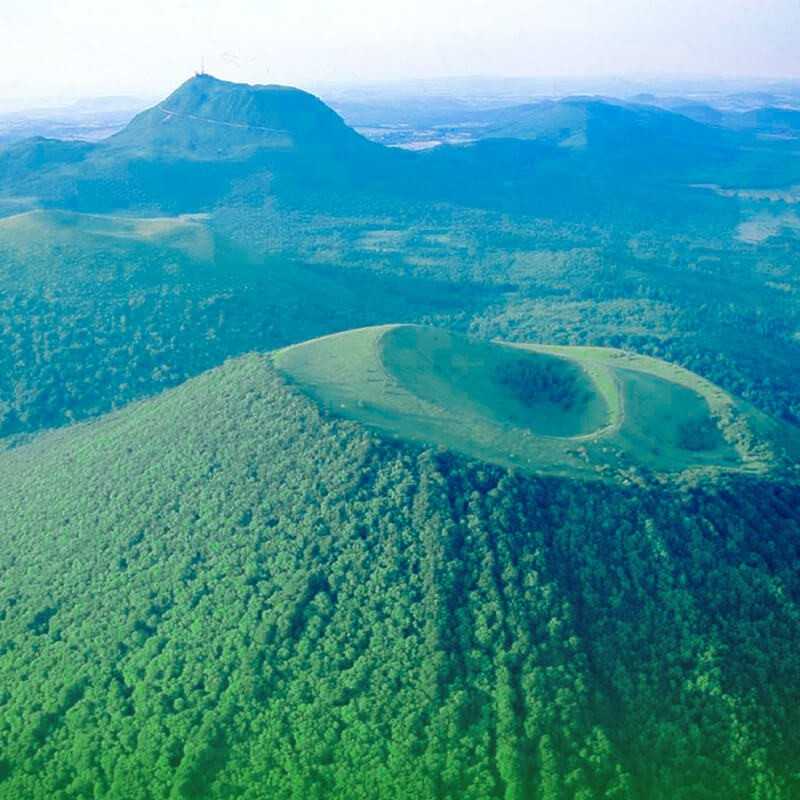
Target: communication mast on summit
{"x":202,"y":66}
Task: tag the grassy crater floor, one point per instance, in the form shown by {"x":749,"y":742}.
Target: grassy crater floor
{"x":561,"y":410}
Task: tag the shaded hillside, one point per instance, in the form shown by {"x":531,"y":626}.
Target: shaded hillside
{"x":218,"y":593}
{"x":22,"y":161}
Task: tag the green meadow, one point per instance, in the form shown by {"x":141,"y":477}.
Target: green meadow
{"x":557,"y":410}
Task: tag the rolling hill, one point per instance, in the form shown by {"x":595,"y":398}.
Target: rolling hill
{"x":765,"y":120}
{"x":226,"y":591}
{"x":778,"y":122}
{"x":598,"y":124}
{"x":594,"y":127}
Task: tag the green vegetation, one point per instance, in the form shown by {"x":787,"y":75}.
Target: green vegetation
{"x":220,"y":593}
{"x":550,"y":396}
{"x":633,"y":241}
{"x":287,"y":577}
{"x":547,"y":409}
{"x":98,"y":310}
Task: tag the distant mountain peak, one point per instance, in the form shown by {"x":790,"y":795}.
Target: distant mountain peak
{"x":206,"y":82}
{"x":207,"y":116}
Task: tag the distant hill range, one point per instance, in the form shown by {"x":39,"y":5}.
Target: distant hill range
{"x":418,"y":122}
{"x":600,"y":125}
{"x":212,"y":139}
{"x":89,"y":119}
{"x":762,"y":117}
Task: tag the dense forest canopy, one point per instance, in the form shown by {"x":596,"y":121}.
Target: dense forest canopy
{"x":222,"y":593}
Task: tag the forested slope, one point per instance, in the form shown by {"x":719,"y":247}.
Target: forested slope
{"x":221,"y":593}
{"x":96,"y":311}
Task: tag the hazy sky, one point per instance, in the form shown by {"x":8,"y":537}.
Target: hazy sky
{"x":85,"y":47}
